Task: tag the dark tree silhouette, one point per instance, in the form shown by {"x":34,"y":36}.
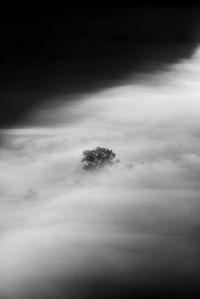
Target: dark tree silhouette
{"x":97,"y":158}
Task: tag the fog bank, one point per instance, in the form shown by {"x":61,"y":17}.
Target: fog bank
{"x":132,"y":229}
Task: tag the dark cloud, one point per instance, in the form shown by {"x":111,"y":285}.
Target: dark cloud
{"x":49,"y":51}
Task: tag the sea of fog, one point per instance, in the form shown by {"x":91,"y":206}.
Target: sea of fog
{"x":129,"y":229}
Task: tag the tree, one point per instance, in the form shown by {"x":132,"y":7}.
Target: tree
{"x":97,"y":158}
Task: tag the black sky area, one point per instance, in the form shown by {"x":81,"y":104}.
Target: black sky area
{"x":47,"y":51}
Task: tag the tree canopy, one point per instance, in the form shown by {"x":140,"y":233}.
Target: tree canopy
{"x":97,"y":158}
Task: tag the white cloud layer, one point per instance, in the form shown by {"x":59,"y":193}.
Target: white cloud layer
{"x":61,"y":227}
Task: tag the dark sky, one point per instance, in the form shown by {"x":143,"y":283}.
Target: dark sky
{"x":46,"y":51}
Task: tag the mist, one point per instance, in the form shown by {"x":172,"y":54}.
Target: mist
{"x":129,"y":230}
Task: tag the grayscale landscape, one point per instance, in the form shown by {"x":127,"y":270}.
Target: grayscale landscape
{"x":128,"y":230}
